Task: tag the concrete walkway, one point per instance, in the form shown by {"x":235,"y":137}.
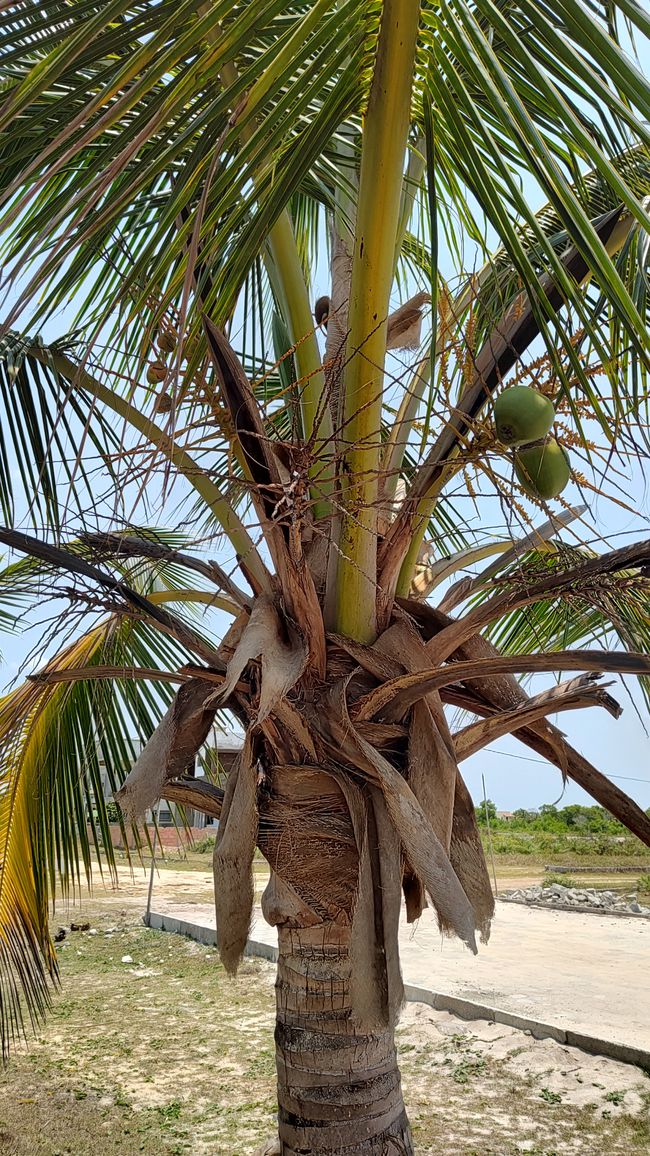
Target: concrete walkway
{"x":585,"y":974}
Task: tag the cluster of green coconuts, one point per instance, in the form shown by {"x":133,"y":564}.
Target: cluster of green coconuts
{"x":523,"y":418}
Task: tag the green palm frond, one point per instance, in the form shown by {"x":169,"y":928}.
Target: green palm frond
{"x":42,"y":422}
{"x":29,"y":576}
{"x":59,"y":744}
{"x":171,"y":82}
{"x":616,"y":609}
{"x":522,"y":103}
{"x":497,"y":285}
{"x":513,"y":89}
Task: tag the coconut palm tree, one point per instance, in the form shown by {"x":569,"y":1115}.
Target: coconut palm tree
{"x":302,"y":249}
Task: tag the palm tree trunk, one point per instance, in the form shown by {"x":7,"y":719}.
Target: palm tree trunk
{"x":339,"y":1088}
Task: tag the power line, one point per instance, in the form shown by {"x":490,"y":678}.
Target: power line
{"x":629,"y":779}
{"x":543,"y":762}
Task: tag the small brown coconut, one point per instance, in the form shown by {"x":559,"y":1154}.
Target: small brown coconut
{"x":156,"y":372}
{"x":167,"y":340}
{"x":165,"y":402}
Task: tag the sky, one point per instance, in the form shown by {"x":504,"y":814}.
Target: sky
{"x":514,"y":776}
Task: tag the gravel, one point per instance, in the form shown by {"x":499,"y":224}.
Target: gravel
{"x":577,"y":897}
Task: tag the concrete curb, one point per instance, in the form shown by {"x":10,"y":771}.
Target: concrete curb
{"x":466,"y":1009}
{"x":582,"y":910}
{"x":580,"y":870}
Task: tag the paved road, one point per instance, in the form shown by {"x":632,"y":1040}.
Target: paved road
{"x":587,"y":973}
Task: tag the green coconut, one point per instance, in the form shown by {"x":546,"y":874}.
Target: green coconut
{"x":522,"y":415}
{"x":543,"y":470}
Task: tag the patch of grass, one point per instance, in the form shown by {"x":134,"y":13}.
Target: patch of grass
{"x":262,"y":1065}
{"x":468,"y":1069}
{"x":170,"y":1111}
{"x":563,"y":880}
{"x":152,"y":1064}
{"x":205,"y":845}
{"x":603,"y":849}
{"x":550,"y":1097}
{"x":639,"y":1128}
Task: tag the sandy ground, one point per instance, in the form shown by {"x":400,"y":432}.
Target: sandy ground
{"x":577,"y":1078}
{"x":202,"y":1071}
{"x":580,"y":971}
{"x":586,"y":973}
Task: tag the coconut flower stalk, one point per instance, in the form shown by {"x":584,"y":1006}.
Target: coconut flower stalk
{"x":185,"y":173}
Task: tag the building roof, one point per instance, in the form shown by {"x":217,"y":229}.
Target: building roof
{"x":223,"y":739}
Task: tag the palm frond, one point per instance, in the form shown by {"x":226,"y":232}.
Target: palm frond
{"x":60,"y":744}
{"x":42,"y":423}
{"x":150,"y":559}
{"x":615,"y":610}
{"x":141,"y":162}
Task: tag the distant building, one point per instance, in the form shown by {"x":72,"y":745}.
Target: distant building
{"x":220,"y":749}
{"x":505,"y":815}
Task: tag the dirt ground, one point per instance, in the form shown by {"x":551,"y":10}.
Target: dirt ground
{"x":150,"y":1048}
{"x":188,"y":876}
{"x":558,"y":967}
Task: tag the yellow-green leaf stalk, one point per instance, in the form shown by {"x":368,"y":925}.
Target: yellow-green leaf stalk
{"x":380,"y":192}
{"x":287,"y":277}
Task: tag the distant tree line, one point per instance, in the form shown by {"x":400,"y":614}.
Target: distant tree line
{"x":573,"y":819}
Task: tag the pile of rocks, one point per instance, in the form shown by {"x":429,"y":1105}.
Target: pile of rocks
{"x":557,"y":895}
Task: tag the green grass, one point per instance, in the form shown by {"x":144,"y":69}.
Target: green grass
{"x":563,"y":880}
{"x":468,"y":1069}
{"x":147,"y":1057}
{"x":550,"y":1097}
{"x":204,"y":846}
{"x":596,"y":849}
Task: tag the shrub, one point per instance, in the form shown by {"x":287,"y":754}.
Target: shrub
{"x":202,"y":846}
{"x":563,"y":880}
{"x":112,"y":812}
{"x":644,"y":883}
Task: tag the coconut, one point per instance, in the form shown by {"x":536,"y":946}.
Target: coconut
{"x":156,"y":371}
{"x":164,"y":403}
{"x":522,"y":415}
{"x":543,"y":470}
{"x":167,"y":339}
